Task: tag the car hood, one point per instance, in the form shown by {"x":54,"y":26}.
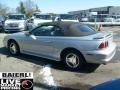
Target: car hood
{"x":14,"y":21}
{"x":20,"y":33}
{"x":16,"y":35}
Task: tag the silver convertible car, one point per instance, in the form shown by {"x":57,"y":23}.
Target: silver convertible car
{"x":75,"y":44}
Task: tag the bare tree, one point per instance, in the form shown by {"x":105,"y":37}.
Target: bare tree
{"x":37,"y":9}
{"x":27,"y":7}
{"x":30,"y":7}
{"x":3,"y":9}
{"x":21,"y":8}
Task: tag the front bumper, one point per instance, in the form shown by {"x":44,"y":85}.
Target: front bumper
{"x":13,"y":29}
{"x":100,"y":56}
{"x":10,"y":29}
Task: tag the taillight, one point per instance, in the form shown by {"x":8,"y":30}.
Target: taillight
{"x":103,"y":45}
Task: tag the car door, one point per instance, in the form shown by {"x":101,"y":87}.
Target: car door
{"x":39,"y":42}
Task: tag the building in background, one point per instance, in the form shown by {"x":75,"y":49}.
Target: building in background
{"x":101,"y":13}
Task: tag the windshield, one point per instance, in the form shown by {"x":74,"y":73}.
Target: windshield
{"x":47,"y":17}
{"x":18,"y":17}
{"x":71,"y":17}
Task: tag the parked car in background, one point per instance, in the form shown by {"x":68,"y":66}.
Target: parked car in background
{"x":117,"y":19}
{"x":37,"y":19}
{"x":2,"y":20}
{"x":15,"y":22}
{"x":85,"y":19}
{"x":66,"y":17}
{"x":75,"y":44}
{"x":109,"y":20}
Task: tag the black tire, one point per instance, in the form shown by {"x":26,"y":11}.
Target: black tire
{"x":15,"y":46}
{"x":80,"y":61}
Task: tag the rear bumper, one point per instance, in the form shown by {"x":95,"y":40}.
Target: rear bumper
{"x":100,"y":56}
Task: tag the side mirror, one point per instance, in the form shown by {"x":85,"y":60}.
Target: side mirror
{"x":27,"y":33}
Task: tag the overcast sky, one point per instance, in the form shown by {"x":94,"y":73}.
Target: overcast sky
{"x":64,"y":6}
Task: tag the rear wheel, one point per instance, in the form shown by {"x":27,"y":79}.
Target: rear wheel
{"x":13,"y":48}
{"x":73,"y":60}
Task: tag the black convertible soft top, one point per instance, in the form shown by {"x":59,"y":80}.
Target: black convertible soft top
{"x":61,"y":24}
{"x":73,"y":28}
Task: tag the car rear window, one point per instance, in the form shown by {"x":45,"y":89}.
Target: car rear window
{"x":84,"y":28}
{"x":80,"y":30}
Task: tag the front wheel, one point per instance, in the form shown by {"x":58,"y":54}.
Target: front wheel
{"x":13,"y":48}
{"x":73,"y":60}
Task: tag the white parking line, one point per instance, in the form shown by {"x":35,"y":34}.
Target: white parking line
{"x":48,"y":78}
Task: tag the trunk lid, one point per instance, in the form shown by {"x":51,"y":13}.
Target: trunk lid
{"x":104,"y":36}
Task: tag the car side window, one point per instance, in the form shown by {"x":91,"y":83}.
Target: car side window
{"x":43,"y":31}
{"x":47,"y":30}
{"x":58,"y":31}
